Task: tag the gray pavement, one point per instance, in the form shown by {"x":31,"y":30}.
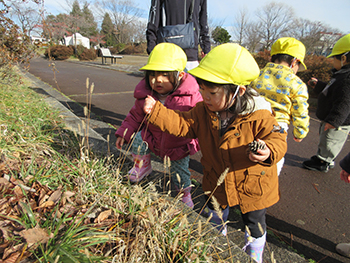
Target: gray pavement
{"x":312,"y":215}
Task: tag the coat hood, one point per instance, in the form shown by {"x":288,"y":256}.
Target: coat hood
{"x":258,"y":103}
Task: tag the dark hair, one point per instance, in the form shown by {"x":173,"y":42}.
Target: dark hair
{"x":283,"y":58}
{"x":173,"y":78}
{"x":347,"y":56}
{"x":242,"y":103}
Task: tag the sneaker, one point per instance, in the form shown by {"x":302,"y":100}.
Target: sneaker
{"x":331,"y":165}
{"x":316,"y":164}
{"x":343,"y":249}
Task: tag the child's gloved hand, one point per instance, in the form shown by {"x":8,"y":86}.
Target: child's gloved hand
{"x":149,"y":104}
{"x":261,"y":154}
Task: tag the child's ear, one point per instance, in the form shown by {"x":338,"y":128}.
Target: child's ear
{"x":344,"y":59}
{"x":181,"y":74}
{"x":242,"y":90}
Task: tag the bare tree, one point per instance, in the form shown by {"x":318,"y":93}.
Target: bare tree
{"x":308,"y":33}
{"x":274,"y":21}
{"x":26,"y":14}
{"x":139,"y":31}
{"x":316,"y":36}
{"x":123,"y":14}
{"x":252,"y":37}
{"x":241,"y":25}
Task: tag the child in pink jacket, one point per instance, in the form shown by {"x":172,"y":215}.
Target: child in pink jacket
{"x":166,"y":82}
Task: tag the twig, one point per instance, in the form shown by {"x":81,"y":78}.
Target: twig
{"x":316,"y":188}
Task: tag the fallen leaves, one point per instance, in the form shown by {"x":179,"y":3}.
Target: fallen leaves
{"x":26,"y":205}
{"x":35,"y":235}
{"x":19,"y":201}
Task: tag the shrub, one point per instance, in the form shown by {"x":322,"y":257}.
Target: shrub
{"x":59,"y":52}
{"x":80,"y":50}
{"x":15,"y":47}
{"x":114,"y":50}
{"x":134,"y":49}
{"x":88,"y":54}
{"x":72,"y":48}
{"x":318,"y":67}
{"x":262,"y":58}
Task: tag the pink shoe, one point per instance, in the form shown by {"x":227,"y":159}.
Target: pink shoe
{"x":140,"y":171}
{"x":186,"y":198}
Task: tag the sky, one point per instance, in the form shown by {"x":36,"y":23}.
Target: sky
{"x":335,"y":14}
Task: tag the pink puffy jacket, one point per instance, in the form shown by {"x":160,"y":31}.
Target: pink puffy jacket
{"x":160,"y":143}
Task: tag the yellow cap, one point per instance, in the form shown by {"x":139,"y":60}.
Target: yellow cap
{"x":227,"y":64}
{"x":290,"y":46}
{"x":342,"y":46}
{"x":166,"y":57}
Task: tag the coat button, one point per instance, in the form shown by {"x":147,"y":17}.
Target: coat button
{"x":262,"y":173}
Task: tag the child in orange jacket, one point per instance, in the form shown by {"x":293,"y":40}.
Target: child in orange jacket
{"x":240,"y":139}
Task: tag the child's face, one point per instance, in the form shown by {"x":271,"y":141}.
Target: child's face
{"x":337,"y":63}
{"x":160,"y":82}
{"x":214,"y":98}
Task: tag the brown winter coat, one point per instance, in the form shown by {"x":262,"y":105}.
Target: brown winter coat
{"x":251,"y":185}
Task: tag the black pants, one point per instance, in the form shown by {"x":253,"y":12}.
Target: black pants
{"x":252,"y":220}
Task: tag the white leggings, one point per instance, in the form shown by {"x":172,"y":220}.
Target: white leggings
{"x":280,"y":164}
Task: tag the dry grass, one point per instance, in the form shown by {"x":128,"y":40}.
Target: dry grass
{"x":68,"y":194}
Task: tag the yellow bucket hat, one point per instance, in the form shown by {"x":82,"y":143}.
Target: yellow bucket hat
{"x":166,"y":57}
{"x":227,"y":64}
{"x":290,"y":46}
{"x":342,"y":46}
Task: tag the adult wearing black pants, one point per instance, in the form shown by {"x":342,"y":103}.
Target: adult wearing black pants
{"x":174,"y":12}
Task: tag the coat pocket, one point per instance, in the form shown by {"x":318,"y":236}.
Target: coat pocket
{"x":253,"y":181}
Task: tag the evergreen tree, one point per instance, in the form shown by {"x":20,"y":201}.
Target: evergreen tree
{"x":76,"y":11}
{"x":89,"y":26}
{"x":220,"y":35}
{"x":107,"y":29}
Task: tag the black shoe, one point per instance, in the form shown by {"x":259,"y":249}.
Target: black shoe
{"x":316,"y":164}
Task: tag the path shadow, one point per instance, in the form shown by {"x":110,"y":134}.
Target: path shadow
{"x":290,"y":234}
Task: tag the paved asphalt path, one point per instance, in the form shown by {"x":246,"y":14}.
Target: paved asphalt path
{"x":313,"y":213}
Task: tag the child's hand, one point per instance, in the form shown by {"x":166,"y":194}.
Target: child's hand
{"x":149,"y":104}
{"x":312,"y":82}
{"x":119,"y":143}
{"x":344,"y":176}
{"x":328,"y":126}
{"x":262,"y":154}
